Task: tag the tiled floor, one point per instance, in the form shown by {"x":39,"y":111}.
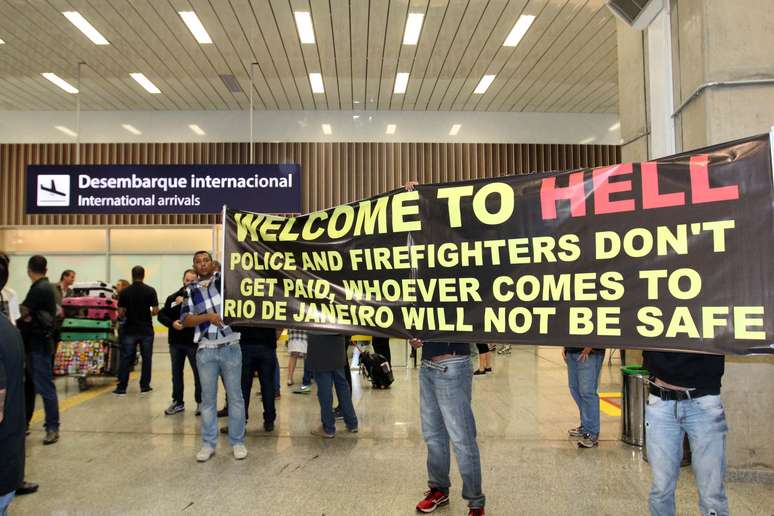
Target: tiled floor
{"x":124,"y":456}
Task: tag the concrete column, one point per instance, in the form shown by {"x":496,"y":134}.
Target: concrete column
{"x":715,"y":40}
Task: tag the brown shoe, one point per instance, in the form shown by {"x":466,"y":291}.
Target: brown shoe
{"x":52,"y":436}
{"x":320,"y":432}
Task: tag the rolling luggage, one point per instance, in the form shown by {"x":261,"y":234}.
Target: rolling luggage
{"x":71,"y":336}
{"x":376,"y":368}
{"x":80,"y":358}
{"x":90,"y":307}
{"x":92,"y":289}
{"x":86,"y":325}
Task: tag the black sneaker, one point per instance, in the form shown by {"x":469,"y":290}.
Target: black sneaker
{"x":174,"y":408}
{"x":588,"y":441}
{"x":223,"y":412}
{"x":119,"y":392}
{"x":576,"y":432}
{"x":338,"y":413}
{"x":268,"y":426}
{"x":145,"y":390}
{"x":198,"y":409}
{"x":478,"y":372}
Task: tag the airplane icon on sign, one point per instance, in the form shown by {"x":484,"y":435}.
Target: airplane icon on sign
{"x":52,"y":189}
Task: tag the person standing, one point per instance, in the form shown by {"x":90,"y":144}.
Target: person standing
{"x":259,"y":349}
{"x":685,"y":399}
{"x":583,"y":367}
{"x":297,"y":347}
{"x":138,"y":302}
{"x":181,"y":346}
{"x":327,"y":363}
{"x":445,"y":393}
{"x":219,"y":353}
{"x":63,"y":288}
{"x":37,"y":324}
{"x":484,"y":359}
{"x":12,"y":424}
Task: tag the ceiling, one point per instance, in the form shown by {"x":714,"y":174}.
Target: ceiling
{"x":565,"y":63}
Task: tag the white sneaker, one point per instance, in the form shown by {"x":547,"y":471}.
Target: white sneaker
{"x":240,"y":452}
{"x":205,"y":454}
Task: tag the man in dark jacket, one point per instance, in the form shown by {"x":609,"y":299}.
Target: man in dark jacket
{"x":12,"y":422}
{"x":37,"y":323}
{"x":181,"y":346}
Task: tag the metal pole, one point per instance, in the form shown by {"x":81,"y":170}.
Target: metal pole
{"x":78,"y":117}
{"x":252,"y":123}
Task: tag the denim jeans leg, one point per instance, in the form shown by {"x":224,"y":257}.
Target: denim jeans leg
{"x":705,"y":423}
{"x":325,"y":397}
{"x":230,"y":358}
{"x":128,"y":350}
{"x":588,"y":383}
{"x":43,"y":377}
{"x":5,"y":501}
{"x":454,"y":394}
{"x":572,"y":382}
{"x":434,"y":432}
{"x":177,"y":358}
{"x":276,"y":373}
{"x":146,"y":351}
{"x":307,"y":378}
{"x":664,"y":442}
{"x":207,"y":363}
{"x":344,"y":396}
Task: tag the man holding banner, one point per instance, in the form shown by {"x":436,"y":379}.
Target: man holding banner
{"x":219,"y":354}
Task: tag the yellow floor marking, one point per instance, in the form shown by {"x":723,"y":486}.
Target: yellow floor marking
{"x":606,"y":406}
{"x":73,"y":401}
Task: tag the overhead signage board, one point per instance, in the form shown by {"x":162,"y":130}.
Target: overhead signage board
{"x":162,"y":188}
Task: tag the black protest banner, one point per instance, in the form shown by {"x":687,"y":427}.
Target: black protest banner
{"x":670,"y":254}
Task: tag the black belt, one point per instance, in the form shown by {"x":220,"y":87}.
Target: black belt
{"x":673,"y":395}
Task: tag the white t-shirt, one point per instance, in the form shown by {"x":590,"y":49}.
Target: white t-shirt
{"x":9,"y":304}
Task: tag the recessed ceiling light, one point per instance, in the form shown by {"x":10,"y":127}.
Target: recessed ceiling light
{"x":86,"y":27}
{"x":616,"y":126}
{"x":2,"y":42}
{"x":519,"y":29}
{"x":195,"y":26}
{"x":315,"y":79}
{"x":231,"y":83}
{"x":413,"y":28}
{"x":401,"y":82}
{"x":198,"y":130}
{"x":66,"y":130}
{"x":391,"y":128}
{"x":132,"y":129}
{"x":587,"y":140}
{"x":327,"y":129}
{"x":305,"y":27}
{"x":69,"y":88}
{"x":145,"y":83}
{"x":483,"y":84}
{"x":454,"y":129}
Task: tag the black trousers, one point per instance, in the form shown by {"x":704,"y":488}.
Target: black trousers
{"x":260,"y":358}
{"x":178,"y":354}
{"x":382,"y":346}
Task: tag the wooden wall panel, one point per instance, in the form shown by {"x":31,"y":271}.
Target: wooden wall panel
{"x":332,"y":173}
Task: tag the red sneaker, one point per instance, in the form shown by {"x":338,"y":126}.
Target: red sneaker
{"x":434,"y":498}
{"x":476,"y":511}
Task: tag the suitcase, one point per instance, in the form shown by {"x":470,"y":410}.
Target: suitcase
{"x":90,"y":307}
{"x":376,"y":368}
{"x":71,"y":336}
{"x":81,"y":357}
{"x":92,"y":289}
{"x":87,"y":325}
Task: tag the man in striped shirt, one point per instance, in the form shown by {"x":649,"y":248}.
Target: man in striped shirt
{"x":218,"y":353}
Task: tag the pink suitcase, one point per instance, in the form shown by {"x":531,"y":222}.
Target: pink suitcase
{"x":90,"y":307}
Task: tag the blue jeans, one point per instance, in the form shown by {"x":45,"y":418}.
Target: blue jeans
{"x":39,"y":363}
{"x":326,"y":380}
{"x":445,"y":390}
{"x":128,"y":352}
{"x":307,"y":378}
{"x":226,"y":362}
{"x":704,"y":420}
{"x":5,"y":501}
{"x":276,"y":378}
{"x":583,"y":378}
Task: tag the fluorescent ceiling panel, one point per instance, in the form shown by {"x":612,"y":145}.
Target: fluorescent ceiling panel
{"x":195,"y":26}
{"x":401,"y":82}
{"x":198,"y":130}
{"x":304,"y":26}
{"x":455,"y":129}
{"x":69,"y":88}
{"x":132,"y":129}
{"x":326,"y":128}
{"x":145,"y":83}
{"x":87,"y":28}
{"x":315,"y":80}
{"x":66,"y":130}
{"x":519,"y":29}
{"x":483,"y":84}
{"x":413,"y":28}
{"x":391,"y":128}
